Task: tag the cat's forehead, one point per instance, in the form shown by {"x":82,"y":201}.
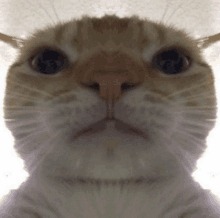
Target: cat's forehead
{"x":131,"y":36}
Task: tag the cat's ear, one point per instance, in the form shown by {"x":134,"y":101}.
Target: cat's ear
{"x":18,"y":43}
{"x":13,"y":41}
{"x":207,"y":41}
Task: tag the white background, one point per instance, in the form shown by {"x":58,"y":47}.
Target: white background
{"x":20,"y":17}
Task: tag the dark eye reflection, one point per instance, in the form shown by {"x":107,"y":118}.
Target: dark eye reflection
{"x":48,"y":61}
{"x":172,"y":61}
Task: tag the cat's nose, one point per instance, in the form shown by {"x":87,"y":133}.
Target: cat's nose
{"x":110,"y":86}
{"x":111,"y":75}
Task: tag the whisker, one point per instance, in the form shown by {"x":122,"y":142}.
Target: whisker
{"x":37,"y":12}
{"x":22,"y":97}
{"x":193,"y":87}
{"x":203,"y":96}
{"x":166,"y":9}
{"x":25,"y":111}
{"x":206,"y":125}
{"x":29,"y":137}
{"x":188,"y":134}
{"x":55,"y":12}
{"x":178,"y":151}
{"x":27,"y":123}
{"x":195,"y":115}
{"x":199,"y":109}
{"x":22,"y":108}
{"x":174,"y":12}
{"x":46,"y":12}
{"x":193,"y":98}
{"x":30,"y":88}
{"x":45,"y":153}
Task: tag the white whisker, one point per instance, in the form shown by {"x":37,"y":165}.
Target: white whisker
{"x":55,"y":12}
{"x":32,"y":88}
{"x":188,"y":88}
{"x":46,"y":147}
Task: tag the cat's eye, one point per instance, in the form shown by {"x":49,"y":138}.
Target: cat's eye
{"x":171,"y":61}
{"x":48,"y":61}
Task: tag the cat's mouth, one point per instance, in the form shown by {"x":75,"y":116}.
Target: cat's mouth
{"x":110,"y":182}
{"x":110,"y":124}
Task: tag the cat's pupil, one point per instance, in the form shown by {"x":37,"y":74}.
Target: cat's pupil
{"x":49,"y":61}
{"x":171,"y":61}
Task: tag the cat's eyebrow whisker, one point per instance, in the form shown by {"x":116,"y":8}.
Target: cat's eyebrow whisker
{"x":55,"y":12}
{"x":179,"y":6}
{"x":41,"y":7}
{"x":165,"y":11}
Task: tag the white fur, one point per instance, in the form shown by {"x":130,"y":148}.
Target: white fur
{"x":109,"y":162}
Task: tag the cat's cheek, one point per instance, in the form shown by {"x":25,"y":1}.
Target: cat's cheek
{"x":152,"y":116}
{"x":70,"y":116}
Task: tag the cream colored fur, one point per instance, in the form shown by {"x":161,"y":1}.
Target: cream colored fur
{"x":137,"y":158}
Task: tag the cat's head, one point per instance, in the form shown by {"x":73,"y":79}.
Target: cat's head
{"x":110,"y":98}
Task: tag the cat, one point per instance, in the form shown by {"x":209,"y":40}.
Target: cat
{"x":110,"y":116}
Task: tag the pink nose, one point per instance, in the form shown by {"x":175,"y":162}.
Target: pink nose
{"x":111,"y":86}
{"x":111,"y":75}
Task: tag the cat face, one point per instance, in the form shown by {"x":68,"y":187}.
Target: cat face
{"x":110,"y":99}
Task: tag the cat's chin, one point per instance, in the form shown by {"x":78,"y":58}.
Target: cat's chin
{"x":110,"y":124}
{"x":108,"y":151}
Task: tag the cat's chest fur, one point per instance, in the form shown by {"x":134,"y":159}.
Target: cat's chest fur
{"x":108,"y":113}
{"x":67,"y":198}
